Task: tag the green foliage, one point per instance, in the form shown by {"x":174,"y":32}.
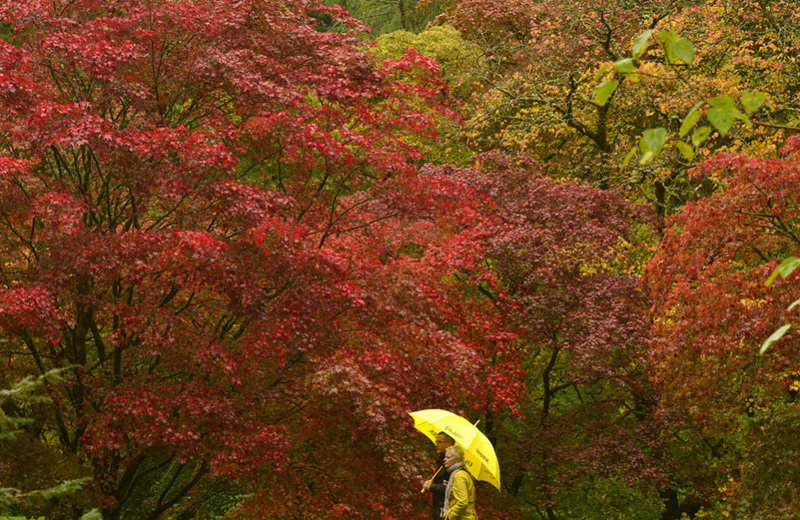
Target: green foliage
{"x":625,"y":66}
{"x":641,"y":43}
{"x":26,"y":393}
{"x":786,"y":268}
{"x":651,"y":143}
{"x":94,"y":514}
{"x":609,"y":499}
{"x":604,"y":91}
{"x":683,"y":50}
{"x":721,"y":113}
{"x":460,"y":61}
{"x":775,"y":336}
{"x":459,"y":58}
{"x":771,"y":467}
{"x":700,"y":135}
{"x":691,"y":119}
{"x":676,"y":48}
{"x":6,"y":31}
{"x":686,"y":151}
{"x":752,"y":101}
{"x":385,"y":16}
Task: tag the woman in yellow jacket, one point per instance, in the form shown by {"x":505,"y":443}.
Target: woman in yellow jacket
{"x":459,"y":501}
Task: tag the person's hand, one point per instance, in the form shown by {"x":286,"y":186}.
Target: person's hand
{"x":426,"y":485}
{"x":444,"y":482}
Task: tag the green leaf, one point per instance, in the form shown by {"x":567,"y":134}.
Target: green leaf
{"x":747,"y":122}
{"x":683,"y":50}
{"x":700,"y":135}
{"x":752,"y":101}
{"x":778,"y":334}
{"x":603,"y":91}
{"x":628,"y":157}
{"x":722,"y":118}
{"x":667,"y":37}
{"x":686,"y":150}
{"x":601,"y":72}
{"x":651,"y":143}
{"x":722,"y":102}
{"x":625,"y":66}
{"x":785,"y":268}
{"x":690,"y":119}
{"x":640,"y":43}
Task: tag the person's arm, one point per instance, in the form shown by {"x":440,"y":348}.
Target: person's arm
{"x":459,"y":500}
{"x":434,"y":487}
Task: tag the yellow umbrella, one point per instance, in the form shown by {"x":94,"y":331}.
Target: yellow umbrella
{"x":479,"y":457}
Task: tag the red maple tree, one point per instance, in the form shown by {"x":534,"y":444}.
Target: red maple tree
{"x":711,"y":314}
{"x":212,"y":216}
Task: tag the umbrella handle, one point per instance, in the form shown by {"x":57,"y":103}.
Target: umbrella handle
{"x":433,"y":477}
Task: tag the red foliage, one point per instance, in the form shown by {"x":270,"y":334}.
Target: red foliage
{"x":712,"y":309}
{"x":565,"y":274}
{"x":211,"y":213}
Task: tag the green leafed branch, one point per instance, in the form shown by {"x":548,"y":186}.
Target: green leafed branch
{"x":783,"y":270}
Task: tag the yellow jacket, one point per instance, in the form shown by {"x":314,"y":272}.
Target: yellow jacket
{"x":462,"y":498}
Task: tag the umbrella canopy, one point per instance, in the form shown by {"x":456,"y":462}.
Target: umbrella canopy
{"x":479,"y":457}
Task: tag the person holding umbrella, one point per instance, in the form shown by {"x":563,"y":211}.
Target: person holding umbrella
{"x":479,"y":456}
{"x":459,"y":500}
{"x":438,"y":484}
{"x":472,"y":452}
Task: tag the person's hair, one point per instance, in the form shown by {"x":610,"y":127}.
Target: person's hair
{"x":457,"y":452}
{"x":449,"y":439}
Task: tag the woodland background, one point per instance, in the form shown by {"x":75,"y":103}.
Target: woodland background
{"x":240,"y":240}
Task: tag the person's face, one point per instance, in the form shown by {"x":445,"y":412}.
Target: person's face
{"x":449,"y":459}
{"x":442,"y":443}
